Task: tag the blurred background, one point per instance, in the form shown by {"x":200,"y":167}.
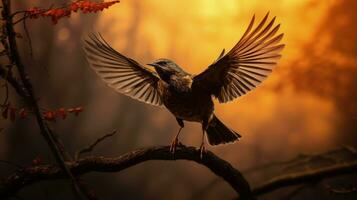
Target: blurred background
{"x":308,"y":105}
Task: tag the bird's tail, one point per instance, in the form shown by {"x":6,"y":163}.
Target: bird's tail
{"x":218,"y":133}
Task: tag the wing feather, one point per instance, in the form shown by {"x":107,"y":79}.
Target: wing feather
{"x":246,"y":65}
{"x":121,"y":73}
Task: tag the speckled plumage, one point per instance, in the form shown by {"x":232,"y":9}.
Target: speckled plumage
{"x":189,"y":97}
{"x":184,"y":102}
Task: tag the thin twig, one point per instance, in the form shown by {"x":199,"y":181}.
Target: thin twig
{"x":7,"y":75}
{"x":26,"y":14}
{"x":28,"y":38}
{"x":18,"y":12}
{"x":93,"y":145}
{"x":341,"y":190}
{"x":6,"y":99}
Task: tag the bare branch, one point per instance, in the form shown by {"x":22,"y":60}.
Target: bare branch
{"x":341,"y":190}
{"x":306,"y":177}
{"x":6,"y":99}
{"x":46,"y":132}
{"x":92,"y":146}
{"x":300,"y":161}
{"x":7,"y":75}
{"x":225,"y":170}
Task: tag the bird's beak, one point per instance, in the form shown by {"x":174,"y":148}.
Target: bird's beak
{"x":153,"y":64}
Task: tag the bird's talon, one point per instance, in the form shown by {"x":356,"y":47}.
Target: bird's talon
{"x":202,"y":150}
{"x":174,"y":146}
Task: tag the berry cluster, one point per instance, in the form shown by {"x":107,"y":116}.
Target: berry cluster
{"x":61,"y":113}
{"x":12,"y":113}
{"x":55,"y":14}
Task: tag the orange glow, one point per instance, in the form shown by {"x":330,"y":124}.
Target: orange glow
{"x":193,"y":34}
{"x":306,"y":106}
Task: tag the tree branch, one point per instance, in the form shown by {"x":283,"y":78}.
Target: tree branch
{"x":306,"y":177}
{"x":46,"y":132}
{"x":26,"y":176}
{"x":225,"y":170}
{"x":301,"y":160}
{"x":7,"y":75}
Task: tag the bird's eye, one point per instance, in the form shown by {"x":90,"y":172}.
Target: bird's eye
{"x":162,"y":63}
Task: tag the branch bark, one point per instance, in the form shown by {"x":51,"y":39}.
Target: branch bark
{"x":7,"y":75}
{"x":45,"y":131}
{"x":13,"y":183}
{"x":225,"y":170}
{"x":306,"y":177}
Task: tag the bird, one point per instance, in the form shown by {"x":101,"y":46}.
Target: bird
{"x":189,"y":97}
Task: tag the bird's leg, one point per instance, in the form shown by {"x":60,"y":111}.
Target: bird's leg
{"x":202,"y":147}
{"x":175,"y":141}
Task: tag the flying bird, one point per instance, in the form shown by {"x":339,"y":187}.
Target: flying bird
{"x":190,"y":97}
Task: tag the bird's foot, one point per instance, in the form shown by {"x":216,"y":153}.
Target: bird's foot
{"x":202,"y":150}
{"x":174,"y":145}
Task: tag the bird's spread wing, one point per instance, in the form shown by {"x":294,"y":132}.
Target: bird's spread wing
{"x":246,"y":65}
{"x":123,"y":74}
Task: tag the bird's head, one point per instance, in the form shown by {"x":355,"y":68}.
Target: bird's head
{"x":166,"y":68}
